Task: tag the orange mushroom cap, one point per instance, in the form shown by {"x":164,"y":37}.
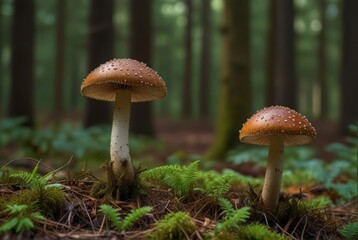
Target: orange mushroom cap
{"x":277,"y":120}
{"x":144,"y":82}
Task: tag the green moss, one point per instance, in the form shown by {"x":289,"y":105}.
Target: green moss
{"x":174,"y":226}
{"x":48,"y":201}
{"x":258,"y":232}
{"x":32,"y":190}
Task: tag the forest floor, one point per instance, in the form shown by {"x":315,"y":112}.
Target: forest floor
{"x":192,"y":137}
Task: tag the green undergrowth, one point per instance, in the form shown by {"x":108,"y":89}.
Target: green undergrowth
{"x":178,"y":202}
{"x":33,"y":198}
{"x":184,"y":181}
{"x":19,"y":218}
{"x":350,"y":231}
{"x":123,"y":224}
{"x":175,"y":225}
{"x":189,"y":184}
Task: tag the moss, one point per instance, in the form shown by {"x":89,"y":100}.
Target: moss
{"x":33,"y":190}
{"x":174,"y":226}
{"x":14,"y":181}
{"x":48,"y":201}
{"x":259,"y":232}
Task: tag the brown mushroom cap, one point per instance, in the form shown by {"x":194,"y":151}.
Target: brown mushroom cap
{"x":277,"y":120}
{"x":144,"y":82}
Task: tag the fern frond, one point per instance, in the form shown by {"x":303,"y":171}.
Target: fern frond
{"x":112,"y":215}
{"x":227,"y":208}
{"x":350,"y":231}
{"x":116,"y":221}
{"x":33,"y":179}
{"x":9,"y":225}
{"x":20,"y":218}
{"x":175,"y":225}
{"x":134,"y":216}
{"x":232,"y":223}
{"x":213,"y":184}
{"x":158,"y":173}
{"x":180,"y":179}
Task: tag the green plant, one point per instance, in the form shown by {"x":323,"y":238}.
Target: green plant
{"x":233,"y":226}
{"x":35,"y":191}
{"x":174,"y":226}
{"x":213,"y":184}
{"x":28,"y":179}
{"x":350,"y":231}
{"x":19,"y":218}
{"x":232,"y":220}
{"x":180,"y":179}
{"x":320,"y":202}
{"x":123,"y":224}
{"x":258,"y":231}
{"x":184,"y":180}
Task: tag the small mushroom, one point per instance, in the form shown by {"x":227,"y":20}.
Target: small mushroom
{"x":123,"y":81}
{"x":276,"y":126}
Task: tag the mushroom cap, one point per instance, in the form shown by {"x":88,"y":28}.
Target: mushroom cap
{"x":144,"y":82}
{"x":277,"y":120}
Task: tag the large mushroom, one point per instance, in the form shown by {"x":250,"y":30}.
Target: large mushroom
{"x":123,"y":81}
{"x":276,"y":126}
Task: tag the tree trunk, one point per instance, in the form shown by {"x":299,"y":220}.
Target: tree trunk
{"x":60,"y":55}
{"x":100,"y":51}
{"x":140,"y":49}
{"x":22,"y":61}
{"x":322,"y":62}
{"x":271,"y":55}
{"x":205,"y":66}
{"x":349,"y":103}
{"x":187,"y":81}
{"x":281,"y":84}
{"x":75,"y":85}
{"x":2,"y":85}
{"x":235,"y":93}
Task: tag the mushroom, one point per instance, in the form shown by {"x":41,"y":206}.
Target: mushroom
{"x":123,"y":81}
{"x":276,"y":126}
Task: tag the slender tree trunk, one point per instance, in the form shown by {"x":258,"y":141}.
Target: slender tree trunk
{"x":1,"y":63}
{"x":349,"y":103}
{"x":187,"y":81}
{"x":75,"y":85}
{"x":322,"y":70}
{"x":140,"y":49}
{"x":60,"y":55}
{"x":281,"y":84}
{"x":22,"y":61}
{"x":205,"y":67}
{"x":235,"y":93}
{"x":271,"y":55}
{"x":100,"y":51}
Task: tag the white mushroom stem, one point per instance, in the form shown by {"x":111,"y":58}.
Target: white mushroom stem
{"x":273,"y":176}
{"x":122,"y":163}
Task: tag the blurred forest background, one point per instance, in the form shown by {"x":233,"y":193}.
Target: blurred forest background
{"x":221,"y":60}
